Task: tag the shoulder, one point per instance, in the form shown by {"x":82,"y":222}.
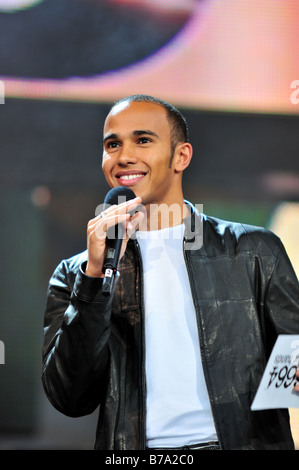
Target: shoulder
{"x":238,"y":237}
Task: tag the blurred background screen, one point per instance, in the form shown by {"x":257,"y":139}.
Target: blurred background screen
{"x":231,"y":66}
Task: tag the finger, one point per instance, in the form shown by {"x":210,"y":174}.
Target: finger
{"x":115,"y":209}
{"x":124,"y":207}
{"x":112,"y":210}
{"x":135,"y":223}
{"x":112,"y":216}
{"x":107,"y":223}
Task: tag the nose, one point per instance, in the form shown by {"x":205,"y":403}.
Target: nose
{"x":127,"y":155}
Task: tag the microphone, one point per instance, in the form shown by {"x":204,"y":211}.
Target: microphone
{"x":115,"y":236}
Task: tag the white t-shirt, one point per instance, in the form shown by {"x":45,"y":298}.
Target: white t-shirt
{"x":178,"y":407}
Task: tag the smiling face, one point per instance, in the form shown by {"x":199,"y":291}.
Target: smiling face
{"x":137,"y":153}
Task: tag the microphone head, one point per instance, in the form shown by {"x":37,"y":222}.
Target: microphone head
{"x":118,"y":195}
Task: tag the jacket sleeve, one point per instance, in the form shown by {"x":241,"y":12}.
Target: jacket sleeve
{"x":282,"y":299}
{"x":76,"y":333}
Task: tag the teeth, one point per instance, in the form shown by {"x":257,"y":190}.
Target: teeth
{"x":130,"y":177}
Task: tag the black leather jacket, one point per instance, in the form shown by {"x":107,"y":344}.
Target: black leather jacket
{"x":245,"y":293}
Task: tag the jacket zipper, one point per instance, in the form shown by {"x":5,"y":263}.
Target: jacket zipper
{"x":203,"y":359}
{"x":142,"y":365}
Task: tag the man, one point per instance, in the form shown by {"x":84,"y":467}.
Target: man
{"x":175,"y":356}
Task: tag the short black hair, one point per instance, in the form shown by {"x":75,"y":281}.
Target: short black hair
{"x":179,"y":129}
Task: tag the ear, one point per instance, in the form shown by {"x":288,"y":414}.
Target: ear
{"x":182,"y":156}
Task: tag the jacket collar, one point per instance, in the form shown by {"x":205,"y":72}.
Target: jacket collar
{"x":193,"y":228}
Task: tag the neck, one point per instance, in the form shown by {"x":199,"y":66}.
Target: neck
{"x":161,"y":216}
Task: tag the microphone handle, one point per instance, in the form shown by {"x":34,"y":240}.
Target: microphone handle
{"x":112,"y":259}
{"x":108,"y":282}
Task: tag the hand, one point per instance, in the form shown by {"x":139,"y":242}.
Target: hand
{"x":97,"y":232}
{"x":296,"y":385}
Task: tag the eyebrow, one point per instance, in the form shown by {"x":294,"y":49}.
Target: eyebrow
{"x":135,"y":133}
{"x":110,"y":136}
{"x":148,"y":132}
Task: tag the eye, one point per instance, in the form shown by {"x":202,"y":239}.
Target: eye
{"x":144,"y":140}
{"x":112,"y":145}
